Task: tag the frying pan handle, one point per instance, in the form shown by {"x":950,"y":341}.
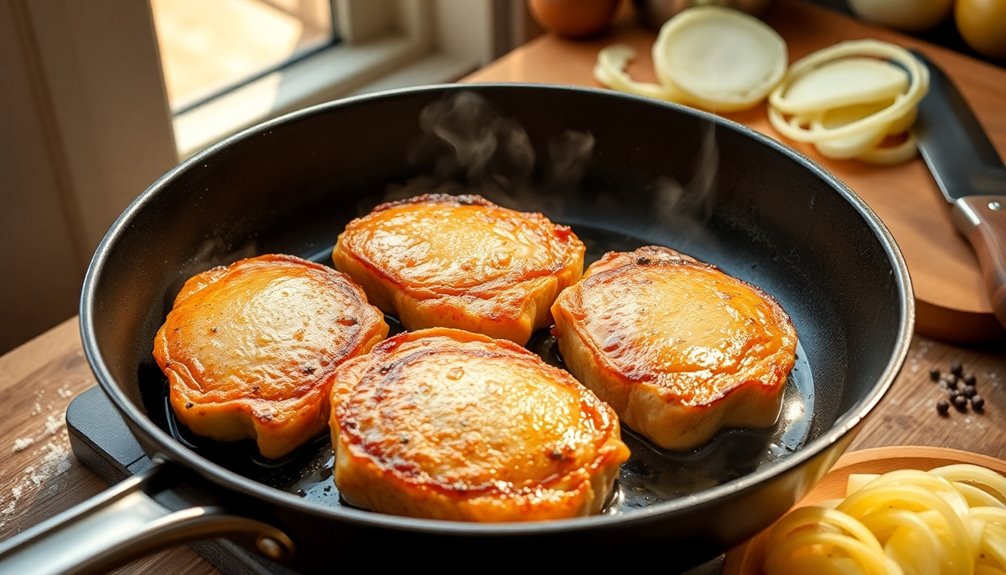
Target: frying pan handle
{"x":982,"y":220}
{"x":161,"y":507}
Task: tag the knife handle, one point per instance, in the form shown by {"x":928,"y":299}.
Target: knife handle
{"x":982,"y":220}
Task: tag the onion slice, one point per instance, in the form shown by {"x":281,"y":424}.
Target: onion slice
{"x":610,"y":71}
{"x":896,"y":154}
{"x":850,"y":147}
{"x":897,"y":109}
{"x":718,"y":58}
{"x":840,"y":83}
{"x":856,"y":145}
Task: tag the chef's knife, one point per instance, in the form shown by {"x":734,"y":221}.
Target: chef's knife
{"x":970,"y":174}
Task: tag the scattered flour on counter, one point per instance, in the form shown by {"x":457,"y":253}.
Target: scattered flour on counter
{"x":7,"y":509}
{"x":55,"y":462}
{"x":22,"y":443}
{"x":921,"y":351}
{"x":53,"y":424}
{"x":10,"y":508}
{"x":37,"y":407}
{"x":993,"y":377}
{"x":51,"y":460}
{"x":917,"y":358}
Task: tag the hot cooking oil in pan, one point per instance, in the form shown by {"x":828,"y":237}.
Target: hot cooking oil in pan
{"x":650,"y":476}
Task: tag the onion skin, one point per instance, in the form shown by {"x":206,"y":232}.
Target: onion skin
{"x":573,"y":19}
{"x":906,"y":15}
{"x":982,"y":24}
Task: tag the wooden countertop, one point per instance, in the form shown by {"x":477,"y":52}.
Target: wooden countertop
{"x":40,"y":476}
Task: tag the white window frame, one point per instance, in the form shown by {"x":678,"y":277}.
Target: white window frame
{"x":104,"y":100}
{"x":384,"y":44}
{"x":85,"y":79}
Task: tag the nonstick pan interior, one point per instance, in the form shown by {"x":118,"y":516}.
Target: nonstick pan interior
{"x":652,"y":475}
{"x":622,"y":172}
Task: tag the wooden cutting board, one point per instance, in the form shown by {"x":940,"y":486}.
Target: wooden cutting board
{"x":952,"y":303}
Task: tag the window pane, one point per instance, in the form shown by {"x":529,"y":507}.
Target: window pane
{"x":208,"y":47}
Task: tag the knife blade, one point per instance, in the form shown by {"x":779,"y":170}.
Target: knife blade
{"x":968,"y":170}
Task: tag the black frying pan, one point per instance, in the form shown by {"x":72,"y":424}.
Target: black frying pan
{"x":623,"y":172}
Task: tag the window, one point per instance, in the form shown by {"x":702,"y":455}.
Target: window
{"x":89,"y":124}
{"x":383,"y":44}
{"x":210,"y":48}
{"x":95,"y":72}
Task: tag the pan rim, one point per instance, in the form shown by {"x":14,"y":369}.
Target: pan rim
{"x":173,"y":451}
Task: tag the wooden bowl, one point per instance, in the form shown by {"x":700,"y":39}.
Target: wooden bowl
{"x":748,"y":558}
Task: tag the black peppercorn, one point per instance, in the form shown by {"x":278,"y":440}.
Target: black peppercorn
{"x":934,"y":374}
{"x":977,"y":402}
{"x":942,"y":407}
{"x":951,"y":380}
{"x":956,"y":368}
{"x":953,"y":394}
{"x":970,"y":379}
{"x":960,"y":402}
{"x":969,"y":391}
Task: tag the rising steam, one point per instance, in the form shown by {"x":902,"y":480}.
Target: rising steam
{"x":474,"y":149}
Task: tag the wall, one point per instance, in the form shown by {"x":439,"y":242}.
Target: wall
{"x":75,"y":148}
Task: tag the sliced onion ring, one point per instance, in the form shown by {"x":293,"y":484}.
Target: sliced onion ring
{"x":839,"y":83}
{"x":610,"y":71}
{"x":721,"y":59}
{"x":902,"y":152}
{"x":917,"y":88}
{"x":853,"y":146}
